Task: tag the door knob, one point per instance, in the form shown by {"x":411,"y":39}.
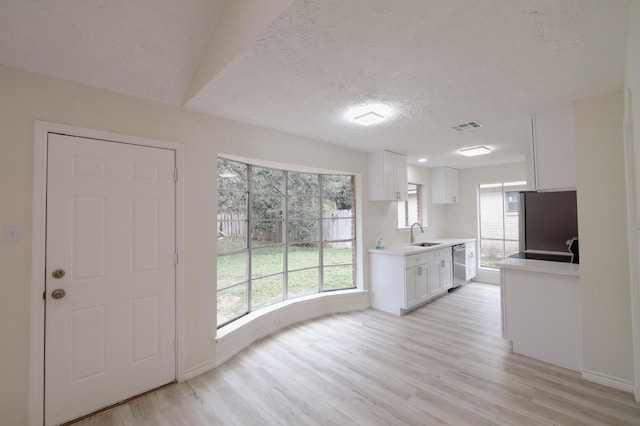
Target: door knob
{"x":58,"y":293}
{"x":58,"y":273}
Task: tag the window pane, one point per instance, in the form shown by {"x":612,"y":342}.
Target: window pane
{"x":266,"y":206}
{"x":266,"y":232}
{"x":338,"y":214}
{"x":337,"y":193}
{"x":232,"y":203}
{"x":303,"y":230}
{"x":303,"y":207}
{"x":338,"y":253}
{"x":302,"y":183}
{"x":302,"y":283}
{"x":232,"y":176}
{"x":232,"y":303}
{"x":491,"y":211}
{"x":410,"y":211}
{"x":511,"y":226}
{"x":511,"y":200}
{"x":511,"y":248}
{"x":492,"y":252}
{"x":413,"y":207}
{"x":232,"y":269}
{"x":337,"y":277}
{"x":338,"y":229}
{"x":267,"y":181}
{"x":266,"y":261}
{"x":303,"y":256}
{"x":266,"y":291}
{"x":232,"y":235}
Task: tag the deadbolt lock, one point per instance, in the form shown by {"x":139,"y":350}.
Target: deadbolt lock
{"x":58,"y":273}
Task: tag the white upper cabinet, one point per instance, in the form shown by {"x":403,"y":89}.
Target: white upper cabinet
{"x":554,"y":149}
{"x":387,"y":176}
{"x":444,"y":186}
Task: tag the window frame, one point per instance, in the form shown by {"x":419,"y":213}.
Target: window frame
{"x":286,"y":242}
{"x":507,"y":203}
{"x":405,"y":205}
{"x":505,"y":214}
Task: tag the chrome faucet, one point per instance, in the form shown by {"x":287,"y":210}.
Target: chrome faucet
{"x":413,"y":239}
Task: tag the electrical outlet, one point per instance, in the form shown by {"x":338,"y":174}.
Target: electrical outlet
{"x":12,"y":233}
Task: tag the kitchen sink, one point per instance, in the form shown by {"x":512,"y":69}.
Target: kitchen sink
{"x":425,"y":244}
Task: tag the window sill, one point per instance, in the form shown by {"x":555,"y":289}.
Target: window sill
{"x":261,"y":314}
{"x":408,"y":229}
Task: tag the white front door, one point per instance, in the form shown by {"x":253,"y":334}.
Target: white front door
{"x":111,"y":229}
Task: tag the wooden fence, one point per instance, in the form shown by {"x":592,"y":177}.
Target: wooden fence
{"x":337,"y":226}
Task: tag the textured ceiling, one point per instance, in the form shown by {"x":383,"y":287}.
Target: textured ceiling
{"x":296,"y":66}
{"x":439,"y":63}
{"x":146,"y":48}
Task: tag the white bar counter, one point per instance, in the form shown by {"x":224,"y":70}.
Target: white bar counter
{"x":542,"y":310}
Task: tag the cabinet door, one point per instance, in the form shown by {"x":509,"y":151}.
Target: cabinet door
{"x":387,"y":176}
{"x":554,"y":152}
{"x":422,"y":282}
{"x":400,"y":171}
{"x":444,"y":185}
{"x":435,"y":284}
{"x":451,"y":185}
{"x":446,"y":273}
{"x":410,"y":287}
{"x":471,"y":260}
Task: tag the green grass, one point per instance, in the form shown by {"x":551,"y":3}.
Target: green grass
{"x":267,"y":276}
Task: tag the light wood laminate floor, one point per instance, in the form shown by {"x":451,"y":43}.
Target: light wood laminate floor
{"x":444,"y":363}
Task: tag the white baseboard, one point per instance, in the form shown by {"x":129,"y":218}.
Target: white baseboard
{"x":606,"y":380}
{"x":196,"y":371}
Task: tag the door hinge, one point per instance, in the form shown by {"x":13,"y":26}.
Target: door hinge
{"x":175,"y":175}
{"x":44,"y":295}
{"x":175,"y":259}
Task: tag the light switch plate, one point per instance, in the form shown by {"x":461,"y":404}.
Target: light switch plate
{"x":12,"y":233}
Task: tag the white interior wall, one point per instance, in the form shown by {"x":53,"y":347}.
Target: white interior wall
{"x":28,"y":97}
{"x":602,"y":226}
{"x":462,"y":218}
{"x":632,"y":116}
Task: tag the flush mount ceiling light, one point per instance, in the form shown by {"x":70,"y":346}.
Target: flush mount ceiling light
{"x":369,"y":114}
{"x":422,"y":160}
{"x":369,"y":118}
{"x":473,"y":151}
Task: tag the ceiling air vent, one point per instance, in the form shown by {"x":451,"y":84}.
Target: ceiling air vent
{"x":466,"y":126}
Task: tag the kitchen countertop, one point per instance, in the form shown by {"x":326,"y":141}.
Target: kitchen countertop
{"x":544,"y":266}
{"x":408,"y":249}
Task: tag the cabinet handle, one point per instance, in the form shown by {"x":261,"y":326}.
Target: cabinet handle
{"x":420,"y":270}
{"x":442,"y":263}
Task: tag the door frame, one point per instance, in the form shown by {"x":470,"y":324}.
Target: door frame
{"x":38,"y":251}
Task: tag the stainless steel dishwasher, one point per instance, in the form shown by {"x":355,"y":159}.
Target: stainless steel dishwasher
{"x":459,"y":265}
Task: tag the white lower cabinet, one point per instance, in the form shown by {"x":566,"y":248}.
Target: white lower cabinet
{"x":440,"y":271}
{"x":472,"y":265}
{"x":416,"y":285}
{"x":401,"y":283}
{"x":446,"y":270}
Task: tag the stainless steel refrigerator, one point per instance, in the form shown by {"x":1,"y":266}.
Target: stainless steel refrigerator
{"x":548,"y":224}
